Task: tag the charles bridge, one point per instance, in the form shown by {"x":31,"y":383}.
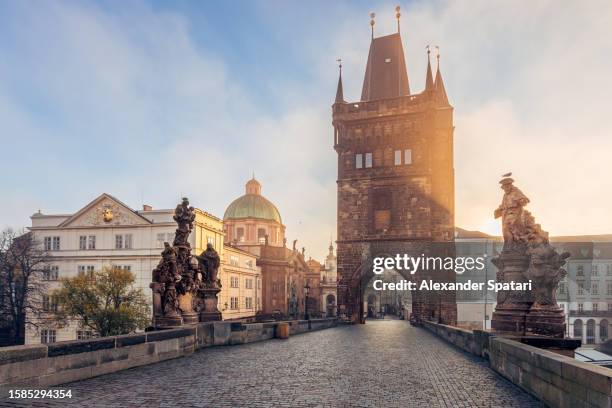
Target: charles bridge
{"x":382,"y":363}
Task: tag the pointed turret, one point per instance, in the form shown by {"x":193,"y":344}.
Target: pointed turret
{"x":429,"y":82}
{"x":339,"y":92}
{"x":441,"y":96}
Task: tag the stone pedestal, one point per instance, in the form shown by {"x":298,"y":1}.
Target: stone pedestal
{"x":564,"y":347}
{"x":546,"y":321}
{"x":186,"y":305}
{"x":510,"y":315}
{"x":210,"y":311}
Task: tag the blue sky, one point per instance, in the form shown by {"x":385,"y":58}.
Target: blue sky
{"x":150,"y":101}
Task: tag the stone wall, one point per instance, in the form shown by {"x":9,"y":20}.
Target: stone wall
{"x":45,"y":365}
{"x":557,"y":380}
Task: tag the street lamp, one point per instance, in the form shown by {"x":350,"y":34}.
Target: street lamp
{"x":306,"y":290}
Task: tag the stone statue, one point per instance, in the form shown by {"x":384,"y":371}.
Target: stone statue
{"x":294,"y":245}
{"x":303,"y":251}
{"x":184,"y":215}
{"x":285,"y":242}
{"x":209,"y":263}
{"x":266,"y":237}
{"x":512,"y":213}
{"x":527,"y":256}
{"x":178,"y":279}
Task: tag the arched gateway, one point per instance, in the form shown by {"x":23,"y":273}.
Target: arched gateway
{"x":395,"y":179}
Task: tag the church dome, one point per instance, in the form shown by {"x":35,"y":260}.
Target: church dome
{"x":252,"y":205}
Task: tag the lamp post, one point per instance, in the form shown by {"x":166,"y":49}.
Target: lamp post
{"x":306,"y":290}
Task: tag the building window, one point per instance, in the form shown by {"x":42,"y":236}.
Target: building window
{"x":233,"y":282}
{"x":609,"y":288}
{"x":580,"y":307}
{"x":47,"y":336}
{"x":595,"y":307}
{"x":234,"y":260}
{"x":398,"y":158}
{"x":123,"y":241}
{"x":51,"y":273}
{"x":240,"y":234}
{"x":249,"y":263}
{"x":595,"y":270}
{"x":609,"y":307}
{"x":49,"y":303}
{"x":52,"y":243}
{"x":82,"y":242}
{"x":248,"y":303}
{"x":579,"y":270}
{"x":210,"y":240}
{"x":87,"y":270}
{"x":580,"y":288}
{"x":84,"y":334}
{"x":407,"y":156}
{"x":368,"y":160}
{"x":233,"y":303}
{"x":562,"y":288}
{"x":248,"y":283}
{"x":123,"y":267}
{"x":609,"y":269}
{"x":358,"y":161}
{"x":161,"y":238}
{"x":594,"y":288}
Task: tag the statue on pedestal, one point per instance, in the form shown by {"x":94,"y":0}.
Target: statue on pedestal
{"x":177,"y":277}
{"x":209,"y":262}
{"x":527,"y":256}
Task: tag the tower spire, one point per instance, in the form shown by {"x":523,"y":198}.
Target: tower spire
{"x":397,"y":16}
{"x":439,"y":85}
{"x":429,"y":83}
{"x":372,"y":22}
{"x":339,"y":92}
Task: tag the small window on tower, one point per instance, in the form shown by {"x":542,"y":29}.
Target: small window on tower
{"x":407,"y":156}
{"x":358,"y":161}
{"x":368,"y":160}
{"x":398,"y":157}
{"x":387,"y":60}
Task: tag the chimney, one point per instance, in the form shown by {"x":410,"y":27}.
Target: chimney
{"x":146,"y":207}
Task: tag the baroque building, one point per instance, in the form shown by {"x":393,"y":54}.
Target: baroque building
{"x":253,"y":224}
{"x":395,"y":177}
{"x":108,"y":233}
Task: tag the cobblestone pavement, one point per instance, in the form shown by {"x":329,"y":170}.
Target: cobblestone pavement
{"x":381,"y":364}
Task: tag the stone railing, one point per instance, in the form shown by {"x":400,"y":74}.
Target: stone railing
{"x":557,"y":380}
{"x":45,"y":365}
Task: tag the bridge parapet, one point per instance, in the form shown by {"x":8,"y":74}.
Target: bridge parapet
{"x":39,"y":366}
{"x":557,"y":380}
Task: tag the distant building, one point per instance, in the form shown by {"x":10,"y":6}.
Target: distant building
{"x":329,"y":284}
{"x":253,"y":224}
{"x":313,"y":280}
{"x":108,"y":233}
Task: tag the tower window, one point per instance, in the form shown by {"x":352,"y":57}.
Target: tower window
{"x":368,"y":160}
{"x":398,"y":157}
{"x":407,"y":156}
{"x":387,"y":60}
{"x":358,"y":161}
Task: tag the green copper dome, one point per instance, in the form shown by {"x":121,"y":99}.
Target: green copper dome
{"x":252,"y":205}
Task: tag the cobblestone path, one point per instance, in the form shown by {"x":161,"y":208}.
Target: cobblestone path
{"x":380,"y":364}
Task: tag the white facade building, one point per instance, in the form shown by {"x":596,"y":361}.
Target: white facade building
{"x":108,"y":233}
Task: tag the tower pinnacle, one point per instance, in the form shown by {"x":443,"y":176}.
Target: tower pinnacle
{"x":397,"y":16}
{"x":339,"y":91}
{"x":429,"y":83}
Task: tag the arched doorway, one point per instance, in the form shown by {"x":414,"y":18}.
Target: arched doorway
{"x":603,"y":330}
{"x":330,"y":303}
{"x":578,"y":329}
{"x":434,"y":305}
{"x":590,"y":331}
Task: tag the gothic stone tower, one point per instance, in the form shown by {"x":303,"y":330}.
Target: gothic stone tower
{"x":395,"y":179}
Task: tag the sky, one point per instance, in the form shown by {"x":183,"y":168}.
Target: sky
{"x":152,"y":101}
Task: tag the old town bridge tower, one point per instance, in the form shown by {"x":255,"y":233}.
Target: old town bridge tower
{"x":395,"y":179}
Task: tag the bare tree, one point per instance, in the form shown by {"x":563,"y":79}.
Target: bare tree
{"x":23,"y":265}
